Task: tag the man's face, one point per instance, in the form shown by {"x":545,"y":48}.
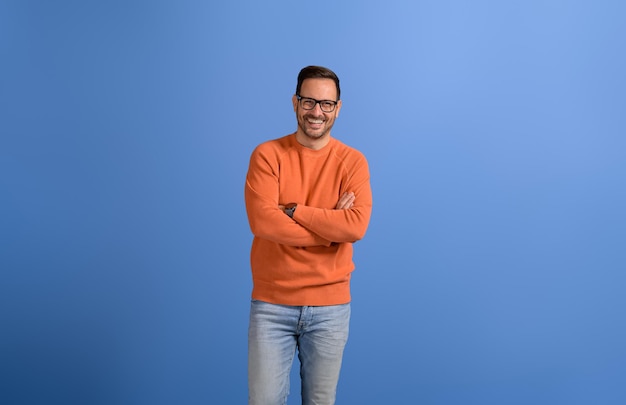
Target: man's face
{"x":316,"y":124}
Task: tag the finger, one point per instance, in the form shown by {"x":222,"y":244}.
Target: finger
{"x":341,"y":202}
{"x":345,"y":201}
{"x":348,"y":200}
{"x":347,"y":205}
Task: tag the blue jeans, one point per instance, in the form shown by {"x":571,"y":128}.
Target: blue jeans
{"x":318,"y":333}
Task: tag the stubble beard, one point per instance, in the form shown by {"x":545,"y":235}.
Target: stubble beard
{"x":313,"y":135}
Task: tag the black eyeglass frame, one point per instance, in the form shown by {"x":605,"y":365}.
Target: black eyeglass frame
{"x":300,"y":98}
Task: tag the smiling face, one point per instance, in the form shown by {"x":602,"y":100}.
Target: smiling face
{"x":314,"y":125}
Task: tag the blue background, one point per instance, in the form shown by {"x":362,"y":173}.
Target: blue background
{"x":493,"y":268}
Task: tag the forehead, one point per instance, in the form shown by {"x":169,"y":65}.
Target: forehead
{"x":320,"y":89}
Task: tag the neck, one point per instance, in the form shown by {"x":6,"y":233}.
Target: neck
{"x":313,"y":143}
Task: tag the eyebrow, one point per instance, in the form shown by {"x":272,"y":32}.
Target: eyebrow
{"x":319,"y":101}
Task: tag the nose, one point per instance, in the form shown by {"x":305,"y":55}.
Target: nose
{"x":318,"y":108}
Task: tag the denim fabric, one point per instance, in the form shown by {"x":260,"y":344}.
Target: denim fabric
{"x":319,"y":334}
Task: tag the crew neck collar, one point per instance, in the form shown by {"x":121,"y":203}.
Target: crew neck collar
{"x":309,"y":151}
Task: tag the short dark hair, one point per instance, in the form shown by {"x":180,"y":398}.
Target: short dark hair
{"x":317,"y":72}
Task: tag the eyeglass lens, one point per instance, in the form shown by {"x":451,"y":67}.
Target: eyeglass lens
{"x":325,"y":105}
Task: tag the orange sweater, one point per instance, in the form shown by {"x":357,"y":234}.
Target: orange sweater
{"x":306,"y":260}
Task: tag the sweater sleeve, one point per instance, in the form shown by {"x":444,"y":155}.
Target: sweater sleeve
{"x":266,"y":219}
{"x":344,"y":225}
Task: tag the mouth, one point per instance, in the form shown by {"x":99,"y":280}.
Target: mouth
{"x":315,"y":122}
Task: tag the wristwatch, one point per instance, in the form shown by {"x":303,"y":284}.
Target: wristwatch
{"x":290,"y":209}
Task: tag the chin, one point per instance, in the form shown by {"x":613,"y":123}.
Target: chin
{"x":316,"y":136}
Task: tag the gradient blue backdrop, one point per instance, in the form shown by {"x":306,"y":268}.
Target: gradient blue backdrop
{"x":493,"y":268}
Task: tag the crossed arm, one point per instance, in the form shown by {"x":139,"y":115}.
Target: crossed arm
{"x":273,"y":224}
{"x":310,"y":226}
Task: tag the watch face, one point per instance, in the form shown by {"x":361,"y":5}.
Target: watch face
{"x":289,"y":209}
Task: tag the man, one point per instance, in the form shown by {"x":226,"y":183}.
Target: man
{"x":308,"y":199}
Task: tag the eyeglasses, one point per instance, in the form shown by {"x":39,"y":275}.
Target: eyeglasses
{"x":309,"y":104}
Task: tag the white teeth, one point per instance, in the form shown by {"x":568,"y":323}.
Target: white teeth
{"x":315,"y":121}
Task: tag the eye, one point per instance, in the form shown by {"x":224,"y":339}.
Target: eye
{"x":308,"y":103}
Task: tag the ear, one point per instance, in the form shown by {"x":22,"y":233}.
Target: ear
{"x":337,"y":108}
{"x":294,"y":100}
